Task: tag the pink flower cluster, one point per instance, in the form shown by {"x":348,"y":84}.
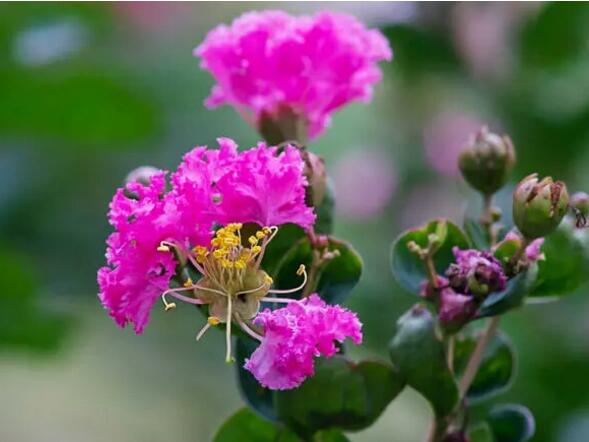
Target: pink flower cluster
{"x":315,"y":65}
{"x":210,"y":186}
{"x":294,"y":335}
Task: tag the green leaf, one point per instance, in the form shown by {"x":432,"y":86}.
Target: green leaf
{"x":477,"y":234}
{"x":257,"y":397}
{"x":246,"y":426}
{"x":511,"y":423}
{"x":566,"y":264}
{"x":324,"y":223}
{"x":408,"y":269}
{"x":513,"y":295}
{"x":287,"y":237}
{"x":497,"y":369}
{"x":335,"y":279}
{"x":341,"y":395}
{"x":418,"y":352}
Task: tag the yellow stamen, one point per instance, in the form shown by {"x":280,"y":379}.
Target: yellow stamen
{"x":188,"y":283}
{"x":163,"y":248}
{"x":301,"y":270}
{"x":213,"y":320}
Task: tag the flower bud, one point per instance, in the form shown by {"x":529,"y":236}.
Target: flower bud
{"x":580,"y":201}
{"x":487,"y":162}
{"x":539,"y":205}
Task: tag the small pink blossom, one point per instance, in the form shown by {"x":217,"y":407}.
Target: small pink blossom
{"x":314,"y":65}
{"x":455,"y":308}
{"x":534,"y":252}
{"x":294,"y":336}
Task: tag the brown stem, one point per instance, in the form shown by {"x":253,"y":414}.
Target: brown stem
{"x":450,"y":352}
{"x":477,"y":356}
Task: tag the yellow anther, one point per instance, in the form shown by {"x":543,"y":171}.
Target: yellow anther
{"x":219,"y":253}
{"x":200,"y":250}
{"x":213,"y":320}
{"x":260,"y":234}
{"x":188,"y":283}
{"x":301,"y":269}
{"x":268,"y":280}
{"x":170,"y":306}
{"x":253,"y":240}
{"x":163,"y":248}
{"x":240,"y":264}
{"x":267,"y":230}
{"x":256,"y":250}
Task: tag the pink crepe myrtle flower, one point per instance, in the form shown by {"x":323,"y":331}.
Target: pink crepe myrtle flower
{"x":210,"y":187}
{"x":294,"y":336}
{"x":313,"y":65}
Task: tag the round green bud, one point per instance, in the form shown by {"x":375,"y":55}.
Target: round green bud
{"x":539,"y":205}
{"x":487,"y":161}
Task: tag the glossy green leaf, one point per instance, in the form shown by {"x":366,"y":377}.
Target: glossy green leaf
{"x":497,"y":369}
{"x":341,"y":395}
{"x":476,"y":233}
{"x":417,"y":351}
{"x":287,"y":237}
{"x":511,"y":423}
{"x":408,"y":269}
{"x":246,"y":426}
{"x":257,"y":397}
{"x":335,"y":279}
{"x":567,"y":261}
{"x":513,"y":295}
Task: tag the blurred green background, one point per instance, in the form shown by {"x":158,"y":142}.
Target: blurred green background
{"x":90,"y":91}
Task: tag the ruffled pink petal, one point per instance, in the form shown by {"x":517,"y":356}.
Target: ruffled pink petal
{"x":294,"y":336}
{"x":315,"y":64}
{"x":137,"y":273}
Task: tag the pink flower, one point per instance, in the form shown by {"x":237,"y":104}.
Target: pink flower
{"x":137,"y":273}
{"x":312,"y":65}
{"x":294,"y":336}
{"x":210,"y":186}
